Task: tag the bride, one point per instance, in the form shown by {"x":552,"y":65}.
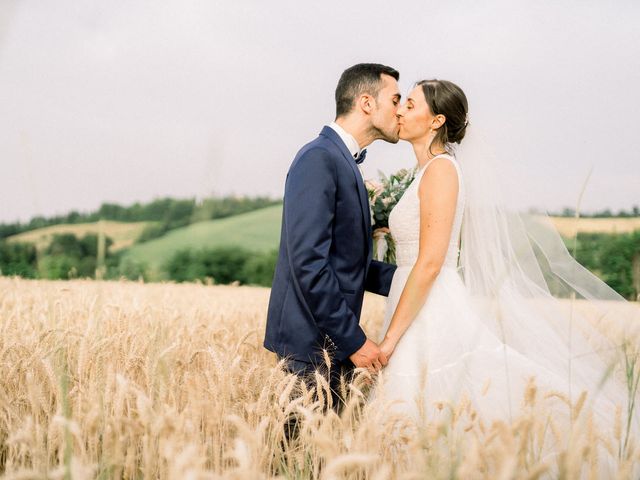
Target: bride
{"x":485,"y":300}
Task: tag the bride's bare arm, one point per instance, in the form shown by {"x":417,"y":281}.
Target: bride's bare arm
{"x":438,"y":192}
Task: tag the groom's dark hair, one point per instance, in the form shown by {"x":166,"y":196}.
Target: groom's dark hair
{"x":357,"y":80}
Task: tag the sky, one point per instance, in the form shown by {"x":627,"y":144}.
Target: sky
{"x":130,"y":100}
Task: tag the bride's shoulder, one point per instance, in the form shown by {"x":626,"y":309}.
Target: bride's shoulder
{"x":446,"y":158}
{"x":441,"y":171}
{"x":441,"y":165}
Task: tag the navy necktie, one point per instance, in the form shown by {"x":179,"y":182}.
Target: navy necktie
{"x":361,"y":157}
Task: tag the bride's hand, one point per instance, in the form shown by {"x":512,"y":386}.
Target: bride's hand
{"x":387,"y":347}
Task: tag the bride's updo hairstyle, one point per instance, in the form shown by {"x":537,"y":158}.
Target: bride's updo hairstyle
{"x":448,"y":99}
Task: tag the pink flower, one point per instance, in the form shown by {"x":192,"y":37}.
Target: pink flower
{"x":375,"y":187}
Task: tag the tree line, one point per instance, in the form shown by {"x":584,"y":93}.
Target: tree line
{"x":606,"y":213}
{"x":68,"y":257}
{"x":168,"y":213}
{"x":615,"y":258}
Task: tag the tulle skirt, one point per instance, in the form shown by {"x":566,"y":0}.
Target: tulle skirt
{"x":448,"y":359}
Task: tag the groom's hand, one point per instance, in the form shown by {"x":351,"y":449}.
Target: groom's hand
{"x":369,"y":356}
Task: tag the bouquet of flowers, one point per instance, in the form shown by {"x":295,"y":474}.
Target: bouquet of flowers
{"x":383,"y":196}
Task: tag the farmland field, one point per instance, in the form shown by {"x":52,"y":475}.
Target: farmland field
{"x":132,"y":380}
{"x":257,"y":230}
{"x":568,"y":226}
{"x":123,"y":234}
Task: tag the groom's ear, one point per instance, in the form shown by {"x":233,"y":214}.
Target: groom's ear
{"x":366,"y":103}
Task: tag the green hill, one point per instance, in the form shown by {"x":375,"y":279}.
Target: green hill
{"x":123,"y":234}
{"x":257,"y":230}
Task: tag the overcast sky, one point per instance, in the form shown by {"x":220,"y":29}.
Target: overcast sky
{"x":125,"y":101}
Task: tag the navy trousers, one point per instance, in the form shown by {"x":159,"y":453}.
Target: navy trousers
{"x":306,"y":373}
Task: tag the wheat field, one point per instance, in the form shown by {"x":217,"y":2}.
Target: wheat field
{"x":145,"y":381}
{"x":568,"y":227}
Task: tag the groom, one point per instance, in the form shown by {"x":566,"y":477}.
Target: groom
{"x":325,"y":259}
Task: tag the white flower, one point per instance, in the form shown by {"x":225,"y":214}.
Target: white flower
{"x":380,"y":239}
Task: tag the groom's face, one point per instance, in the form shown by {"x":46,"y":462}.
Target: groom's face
{"x":384,"y":117}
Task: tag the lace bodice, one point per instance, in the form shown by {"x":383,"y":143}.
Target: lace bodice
{"x":404,"y":221}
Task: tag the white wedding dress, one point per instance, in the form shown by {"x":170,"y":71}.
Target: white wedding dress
{"x":447,"y":353}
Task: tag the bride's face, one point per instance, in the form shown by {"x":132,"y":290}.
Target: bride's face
{"x":415,"y":117}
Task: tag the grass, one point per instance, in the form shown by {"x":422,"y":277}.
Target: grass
{"x":131,"y":380}
{"x":123,"y":234}
{"x":257,"y":230}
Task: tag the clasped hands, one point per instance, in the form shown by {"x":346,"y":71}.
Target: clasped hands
{"x":373,"y":356}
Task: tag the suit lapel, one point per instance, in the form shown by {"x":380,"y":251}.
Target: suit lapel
{"x":362,"y":191}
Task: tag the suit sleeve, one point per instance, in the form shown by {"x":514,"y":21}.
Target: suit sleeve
{"x":309,"y":210}
{"x":379,"y":277}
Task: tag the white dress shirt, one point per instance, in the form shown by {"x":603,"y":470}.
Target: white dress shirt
{"x":347,"y":138}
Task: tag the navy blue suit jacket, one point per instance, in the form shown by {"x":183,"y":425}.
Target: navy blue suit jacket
{"x":325,"y":260}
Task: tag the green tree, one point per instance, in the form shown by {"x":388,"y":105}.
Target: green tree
{"x":68,"y":256}
{"x":58,"y":267}
{"x":18,"y":259}
{"x":260,"y":268}
{"x":611,"y":257}
{"x":224,"y":265}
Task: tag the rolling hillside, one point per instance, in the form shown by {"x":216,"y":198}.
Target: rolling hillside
{"x":123,"y":234}
{"x":257,"y":230}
